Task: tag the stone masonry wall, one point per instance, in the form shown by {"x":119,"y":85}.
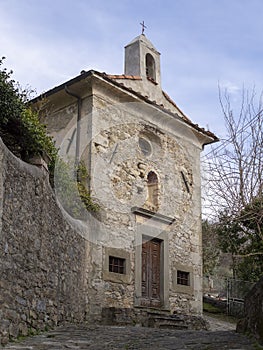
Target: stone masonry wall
{"x":42,"y":258}
{"x":122,"y":184}
{"x":111,"y":126}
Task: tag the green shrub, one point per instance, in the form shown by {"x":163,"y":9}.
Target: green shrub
{"x":25,"y":136}
{"x":20,"y":128}
{"x":212,"y":309}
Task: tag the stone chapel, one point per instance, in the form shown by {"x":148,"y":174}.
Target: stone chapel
{"x":142,"y":153}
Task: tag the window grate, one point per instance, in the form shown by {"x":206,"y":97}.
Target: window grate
{"x":183,"y":278}
{"x":116,"y":265}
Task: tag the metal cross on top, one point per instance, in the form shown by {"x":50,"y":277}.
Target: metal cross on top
{"x":143,"y":26}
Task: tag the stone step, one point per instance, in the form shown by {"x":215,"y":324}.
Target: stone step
{"x":150,"y":317}
{"x":158,"y":312}
{"x":171,"y":322}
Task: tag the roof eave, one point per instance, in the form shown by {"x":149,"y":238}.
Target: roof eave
{"x":86,"y":74}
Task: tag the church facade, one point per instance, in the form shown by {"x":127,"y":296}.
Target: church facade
{"x":144,"y":247}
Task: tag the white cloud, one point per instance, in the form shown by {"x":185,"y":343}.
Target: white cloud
{"x":230,"y":88}
{"x":47,"y":43}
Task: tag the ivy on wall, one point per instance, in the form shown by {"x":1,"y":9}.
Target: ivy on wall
{"x":25,"y":136}
{"x":71,"y":189}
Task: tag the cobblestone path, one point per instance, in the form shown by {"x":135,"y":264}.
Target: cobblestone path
{"x":131,"y":338}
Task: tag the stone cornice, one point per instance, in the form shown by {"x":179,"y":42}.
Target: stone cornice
{"x":152,"y":215}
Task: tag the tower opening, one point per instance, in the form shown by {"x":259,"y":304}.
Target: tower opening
{"x":150,"y":67}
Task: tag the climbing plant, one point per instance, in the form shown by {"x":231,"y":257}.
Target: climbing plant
{"x":24,"y":134}
{"x":71,"y":188}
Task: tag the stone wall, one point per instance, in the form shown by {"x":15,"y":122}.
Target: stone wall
{"x":122,"y":184}
{"x":42,"y":258}
{"x":253,"y":320}
{"x":110,"y":130}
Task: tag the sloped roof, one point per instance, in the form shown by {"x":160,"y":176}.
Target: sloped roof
{"x":124,"y":76}
{"x":112,"y":79}
{"x":184,"y":117}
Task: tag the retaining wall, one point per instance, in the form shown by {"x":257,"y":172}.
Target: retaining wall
{"x":42,"y":258}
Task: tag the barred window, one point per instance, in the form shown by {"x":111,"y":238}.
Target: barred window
{"x":116,"y":265}
{"x":183,"y":278}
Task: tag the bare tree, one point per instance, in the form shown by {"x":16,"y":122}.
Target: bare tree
{"x":234,"y":174}
{"x":234,"y":168}
{"x":211,"y":250}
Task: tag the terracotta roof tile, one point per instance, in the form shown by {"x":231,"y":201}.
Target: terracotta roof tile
{"x":168,"y":98}
{"x":152,"y":81}
{"x":124,"y":76}
{"x":111,"y":78}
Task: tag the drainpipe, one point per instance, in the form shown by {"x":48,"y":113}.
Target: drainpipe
{"x":77,"y":155}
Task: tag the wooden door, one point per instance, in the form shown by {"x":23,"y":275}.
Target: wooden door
{"x":151,"y":253}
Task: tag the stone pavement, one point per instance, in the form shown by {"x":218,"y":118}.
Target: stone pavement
{"x":217,"y":324}
{"x":221,"y":336}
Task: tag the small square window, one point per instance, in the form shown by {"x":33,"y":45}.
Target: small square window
{"x":116,"y":265}
{"x":183,"y":278}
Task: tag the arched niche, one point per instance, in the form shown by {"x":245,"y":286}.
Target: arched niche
{"x":150,"y":67}
{"x":152,"y":186}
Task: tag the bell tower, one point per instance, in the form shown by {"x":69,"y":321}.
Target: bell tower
{"x":142,"y":59}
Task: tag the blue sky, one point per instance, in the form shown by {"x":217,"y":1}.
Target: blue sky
{"x":203,"y":43}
